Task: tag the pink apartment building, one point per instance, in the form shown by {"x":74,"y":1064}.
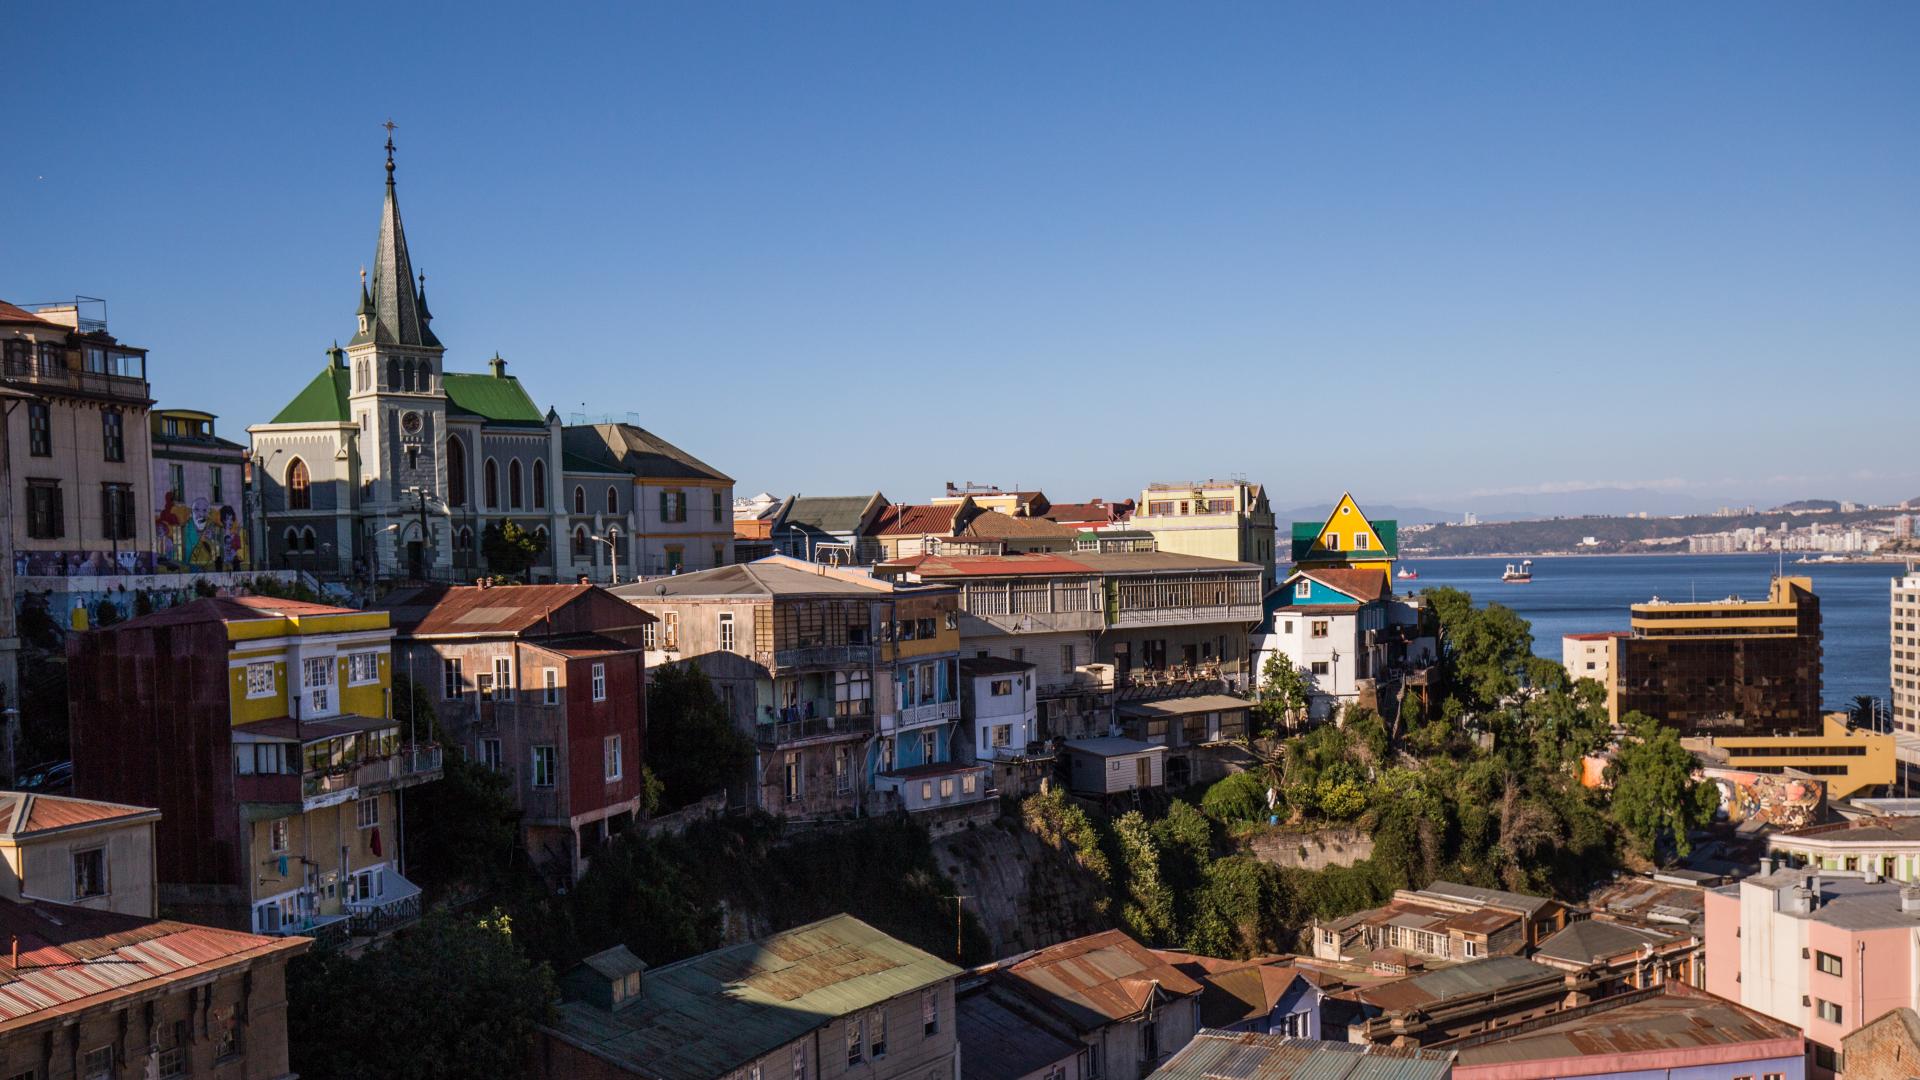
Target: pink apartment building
{"x":1825,"y":950}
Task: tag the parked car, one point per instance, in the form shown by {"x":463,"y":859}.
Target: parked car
{"x":51,"y":777}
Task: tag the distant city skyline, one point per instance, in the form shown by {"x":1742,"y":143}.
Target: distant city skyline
{"x":1462,"y":257}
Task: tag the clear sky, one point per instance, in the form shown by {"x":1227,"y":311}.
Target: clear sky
{"x":1422,"y":251}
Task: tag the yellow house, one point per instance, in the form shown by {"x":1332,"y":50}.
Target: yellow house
{"x":1228,"y":520}
{"x":274,"y":757}
{"x":1348,"y":539}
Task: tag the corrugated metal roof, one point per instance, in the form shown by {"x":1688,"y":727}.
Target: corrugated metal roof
{"x":1241,"y":1055}
{"x":1667,"y":1020}
{"x":23,"y":815}
{"x":68,"y":954}
{"x":471,"y":609}
{"x":1092,"y":981}
{"x":706,"y":1016}
{"x":1473,"y":977}
{"x":999,"y":1040}
{"x":1185,"y":706}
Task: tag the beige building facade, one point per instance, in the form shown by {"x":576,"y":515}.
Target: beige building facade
{"x":1213,"y":519}
{"x":76,"y":851}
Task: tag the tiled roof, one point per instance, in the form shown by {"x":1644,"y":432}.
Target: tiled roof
{"x":11,"y":314}
{"x":1095,"y":980}
{"x":23,"y":814}
{"x":73,"y":957}
{"x":636,"y":451}
{"x":903,"y":519}
{"x":714,"y":1013}
{"x":1246,"y":1055}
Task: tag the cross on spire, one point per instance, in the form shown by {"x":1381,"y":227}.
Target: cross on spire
{"x":389,"y":125}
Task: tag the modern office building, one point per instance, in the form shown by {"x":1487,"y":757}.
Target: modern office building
{"x":1727,"y":666}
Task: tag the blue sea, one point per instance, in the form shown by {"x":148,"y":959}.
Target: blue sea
{"x":1583,"y":594}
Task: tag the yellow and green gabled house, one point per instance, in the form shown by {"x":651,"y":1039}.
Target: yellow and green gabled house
{"x":1346,"y":540}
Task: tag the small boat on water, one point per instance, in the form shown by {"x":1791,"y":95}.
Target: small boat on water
{"x":1518,"y":575}
{"x":1406,"y":574}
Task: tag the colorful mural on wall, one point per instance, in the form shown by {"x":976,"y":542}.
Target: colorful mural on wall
{"x":200,"y":536}
{"x":62,"y":602}
{"x":82,"y":563}
{"x":1786,"y":802}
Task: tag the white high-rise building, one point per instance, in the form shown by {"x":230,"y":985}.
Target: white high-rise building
{"x":1906,"y":652}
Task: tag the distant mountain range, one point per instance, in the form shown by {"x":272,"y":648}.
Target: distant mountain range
{"x":1589,"y":502}
{"x":1406,"y":515}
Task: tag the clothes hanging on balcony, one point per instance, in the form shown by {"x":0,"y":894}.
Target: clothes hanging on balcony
{"x":374,"y":841}
{"x":283,"y":866}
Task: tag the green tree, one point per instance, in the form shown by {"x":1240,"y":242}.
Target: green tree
{"x":1242,"y":909}
{"x":692,"y":746}
{"x":1147,"y":902}
{"x":1239,"y":797}
{"x":511,"y":550}
{"x":1281,"y":699}
{"x":1484,"y":650}
{"x":457,"y":998}
{"x":1655,"y":797}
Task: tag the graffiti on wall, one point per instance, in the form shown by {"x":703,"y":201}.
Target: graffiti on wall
{"x":81,"y":563}
{"x":200,"y":536}
{"x":1787,"y":802}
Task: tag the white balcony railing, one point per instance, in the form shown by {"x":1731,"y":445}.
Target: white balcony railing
{"x":938,"y":712}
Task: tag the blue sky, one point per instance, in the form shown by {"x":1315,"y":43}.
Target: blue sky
{"x":1428,"y":252}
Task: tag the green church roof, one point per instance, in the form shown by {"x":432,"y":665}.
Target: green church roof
{"x":498,"y":398}
{"x":324,"y":401}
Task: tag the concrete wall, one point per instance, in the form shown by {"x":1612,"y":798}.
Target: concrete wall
{"x":1314,"y":850}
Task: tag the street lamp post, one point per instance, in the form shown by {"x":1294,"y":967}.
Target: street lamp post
{"x":613,"y":550}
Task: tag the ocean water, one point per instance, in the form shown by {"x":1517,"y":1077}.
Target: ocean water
{"x":1582,"y":594}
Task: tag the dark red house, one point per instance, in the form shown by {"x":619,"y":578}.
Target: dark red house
{"x":545,"y":684}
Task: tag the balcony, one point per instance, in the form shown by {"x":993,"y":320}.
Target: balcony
{"x":91,"y":383}
{"x":327,"y":931}
{"x":938,"y":712}
{"x":327,"y":787}
{"x":397,"y":904}
{"x":410,"y":765}
{"x":823,"y":656}
{"x":790,"y":732}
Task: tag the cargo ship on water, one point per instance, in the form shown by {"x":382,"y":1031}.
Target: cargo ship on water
{"x":1518,"y":574}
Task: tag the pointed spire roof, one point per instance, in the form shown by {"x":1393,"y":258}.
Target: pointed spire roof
{"x":399,"y":312}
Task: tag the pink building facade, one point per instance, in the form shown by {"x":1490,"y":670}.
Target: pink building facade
{"x":1826,"y":951}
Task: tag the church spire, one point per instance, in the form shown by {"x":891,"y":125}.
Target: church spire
{"x":399,"y":316}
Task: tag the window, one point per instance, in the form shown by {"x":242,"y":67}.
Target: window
{"x":1333,"y":541}
{"x":929,"y":1012}
{"x":89,"y":873}
{"x":610,"y":756}
{"x":1829,"y":1011}
{"x":1320,"y":667}
{"x":1302,"y":589}
{"x":260,"y":680}
{"x":483,"y":683}
{"x":599,"y":682}
{"x":579,"y":499}
{"x":670,"y":629}
{"x":649,"y":636}
{"x":550,"y":686}
{"x":46,"y":517}
{"x":277,"y":836}
{"x":926,"y":791}
{"x":513,"y":484}
{"x":39,"y":429}
{"x":726,"y":631}
{"x":1472,"y":948}
{"x":113,"y":433}
{"x":613,"y":499}
{"x":490,"y":753}
{"x":490,"y":484}
{"x":177,"y":482}
{"x":539,"y":484}
{"x":1000,"y":687}
{"x":173,"y":1060}
{"x":363,"y":668}
{"x":456,"y":472}
{"x":218,"y":475}
{"x":98,"y":1064}
{"x":116,"y":511}
{"x":1067,"y":658}
{"x":719,"y":509}
{"x":970,"y":783}
{"x":543,"y":765}
{"x":299,"y":493}
{"x":1319,"y":628}
{"x":946,"y":787}
{"x":799,"y":1063}
{"x":856,"y":1047}
{"x":673,"y":506}
{"x":1361,"y":541}
{"x":451,"y":683}
{"x":1000,"y":735}
{"x":318,"y":681}
{"x":877,"y":1034}
{"x":226,"y":1042}
{"x":270,"y":759}
{"x":366,"y":813}
{"x":503,"y":673}
{"x":1828,"y":963}
{"x":791,"y":778}
{"x":579,"y":541}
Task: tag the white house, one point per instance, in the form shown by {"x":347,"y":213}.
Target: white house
{"x":1344,"y":630}
{"x":1113,"y":765}
{"x":999,"y":702}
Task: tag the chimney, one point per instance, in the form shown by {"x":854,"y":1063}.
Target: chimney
{"x":497,"y":366}
{"x":1910,"y":899}
{"x":1766,"y":865}
{"x":1797,"y":900}
{"x":584,"y":581}
{"x":1870,"y":875}
{"x":480,"y":581}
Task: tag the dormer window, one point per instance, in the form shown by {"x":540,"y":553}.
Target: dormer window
{"x":1303,"y":590}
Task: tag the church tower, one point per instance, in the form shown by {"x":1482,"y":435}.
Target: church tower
{"x":398,"y":400}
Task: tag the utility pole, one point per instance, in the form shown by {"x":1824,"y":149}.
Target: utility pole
{"x":958,"y":926}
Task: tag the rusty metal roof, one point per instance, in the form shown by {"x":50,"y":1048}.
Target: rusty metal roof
{"x":24,"y":815}
{"x":1671,"y":1027}
{"x":1245,"y":1055}
{"x":472,"y":609}
{"x":711,"y":1014}
{"x":80,"y":957}
{"x":1487,"y":976}
{"x":1095,"y":980}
